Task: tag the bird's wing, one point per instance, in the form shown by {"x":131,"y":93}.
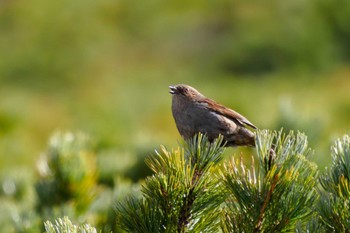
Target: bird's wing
{"x":226,"y":112}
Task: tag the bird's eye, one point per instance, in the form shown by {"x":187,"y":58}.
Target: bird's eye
{"x":180,"y":90}
{"x":184,"y":90}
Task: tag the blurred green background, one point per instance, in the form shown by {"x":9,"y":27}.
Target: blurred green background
{"x":104,"y":67}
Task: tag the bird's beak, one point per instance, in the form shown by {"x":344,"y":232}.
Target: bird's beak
{"x":173,"y":90}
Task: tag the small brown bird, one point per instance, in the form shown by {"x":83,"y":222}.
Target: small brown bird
{"x":194,"y":113}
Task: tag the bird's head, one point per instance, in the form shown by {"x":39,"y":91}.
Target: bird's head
{"x":185,"y":91}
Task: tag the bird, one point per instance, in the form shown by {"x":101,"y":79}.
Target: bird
{"x":194,"y":113}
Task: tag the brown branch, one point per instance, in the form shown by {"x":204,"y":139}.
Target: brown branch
{"x":185,"y":212}
{"x":258,"y":225}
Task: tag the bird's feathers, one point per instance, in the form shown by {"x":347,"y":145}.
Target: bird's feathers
{"x":226,"y":112}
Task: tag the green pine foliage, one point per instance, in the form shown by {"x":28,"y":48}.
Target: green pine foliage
{"x":276,"y":194}
{"x":67,"y":181}
{"x":66,"y":226}
{"x":183,"y":195}
{"x":194,"y":189}
{"x":191,"y":190}
{"x":334,"y":207}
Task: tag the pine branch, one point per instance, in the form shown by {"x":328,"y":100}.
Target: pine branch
{"x":183,"y":189}
{"x":68,"y":171}
{"x":66,"y":226}
{"x":334,"y":205}
{"x":276,"y":194}
{"x":263,"y":209}
{"x":142,"y":215}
